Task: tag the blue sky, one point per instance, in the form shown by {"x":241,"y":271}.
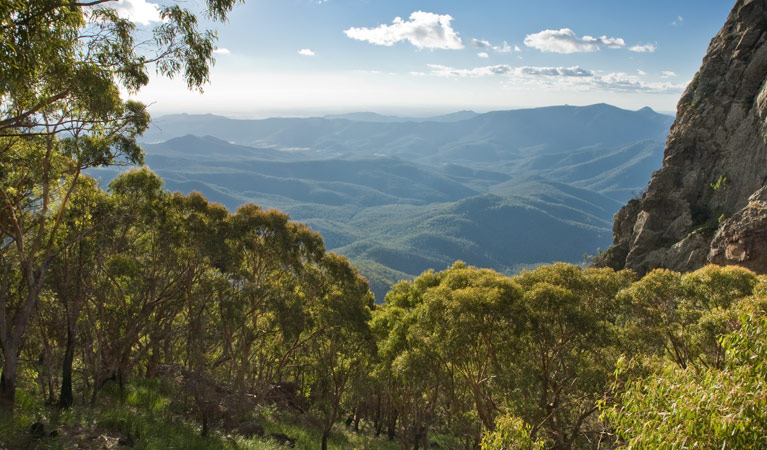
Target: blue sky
{"x":310,"y":57}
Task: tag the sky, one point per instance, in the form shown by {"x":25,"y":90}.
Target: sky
{"x":417,"y":58}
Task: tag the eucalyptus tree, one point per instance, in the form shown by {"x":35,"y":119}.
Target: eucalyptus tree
{"x":72,"y":276}
{"x":682,"y":316}
{"x":485,"y":314}
{"x":264,"y":316}
{"x":705,"y":407}
{"x":406,"y":368}
{"x":37,"y":183}
{"x":341,"y":341}
{"x":62,"y":64}
{"x":568,"y":353}
{"x":444,"y":339}
{"x":198,"y":338}
{"x":144,"y":267}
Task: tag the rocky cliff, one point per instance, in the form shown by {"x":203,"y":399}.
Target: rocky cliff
{"x":708,"y":203}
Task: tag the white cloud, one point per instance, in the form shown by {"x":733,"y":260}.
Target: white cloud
{"x":505,"y":48}
{"x":483,"y":55}
{"x":505,"y":69}
{"x":445,"y":71}
{"x":479,"y":43}
{"x":423,"y":30}
{"x":619,"y":81}
{"x":222,"y":51}
{"x":486,"y":45}
{"x":566,"y":41}
{"x":644,"y":48}
{"x":641,"y":72}
{"x":306,"y":52}
{"x":138,"y":11}
{"x":517,"y":49}
{"x":677,"y":21}
{"x":575,"y":78}
{"x":667,"y":74}
{"x":574,"y":71}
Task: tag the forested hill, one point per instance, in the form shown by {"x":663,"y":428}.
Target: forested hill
{"x":505,"y":189}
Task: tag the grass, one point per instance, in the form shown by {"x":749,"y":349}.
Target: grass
{"x":144,"y":412}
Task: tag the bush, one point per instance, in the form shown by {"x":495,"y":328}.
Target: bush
{"x":511,"y":433}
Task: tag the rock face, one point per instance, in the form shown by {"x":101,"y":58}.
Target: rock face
{"x":742,"y":238}
{"x":708,"y":202}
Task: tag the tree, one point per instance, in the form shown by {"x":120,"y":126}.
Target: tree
{"x":73,"y":274}
{"x":143,"y":268}
{"x":694,"y":381}
{"x":707,"y":408}
{"x":446,"y":340}
{"x":683,"y":316}
{"x":485,"y":314}
{"x":511,"y":433}
{"x":407,"y":369}
{"x":266,"y":313}
{"x":568,"y":354}
{"x":342,"y":341}
{"x":62,"y":64}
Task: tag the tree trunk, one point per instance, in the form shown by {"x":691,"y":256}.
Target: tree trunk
{"x":391,"y":431}
{"x":66,"y":399}
{"x":325,"y":434}
{"x":100,"y":380}
{"x":8,"y":379}
{"x":153,"y":363}
{"x":483,"y":409}
{"x":14,"y":336}
{"x":377,"y":422}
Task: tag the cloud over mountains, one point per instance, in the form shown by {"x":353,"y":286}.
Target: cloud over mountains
{"x":505,"y":69}
{"x":574,"y":77}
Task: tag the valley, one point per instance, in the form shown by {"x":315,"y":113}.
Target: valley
{"x":507,"y":189}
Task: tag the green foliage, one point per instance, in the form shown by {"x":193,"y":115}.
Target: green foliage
{"x":541,"y":344}
{"x":61,"y":112}
{"x":683,"y":316}
{"x":511,"y":433}
{"x":704,"y":388}
{"x":147,"y":416}
{"x":706,"y":408}
{"x":720,"y":183}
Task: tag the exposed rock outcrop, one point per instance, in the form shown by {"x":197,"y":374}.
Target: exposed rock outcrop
{"x":703,"y":206}
{"x":742,"y":239}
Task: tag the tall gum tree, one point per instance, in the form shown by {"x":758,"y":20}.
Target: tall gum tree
{"x":62,"y":64}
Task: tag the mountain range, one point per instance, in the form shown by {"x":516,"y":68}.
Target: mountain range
{"x":504,"y":189}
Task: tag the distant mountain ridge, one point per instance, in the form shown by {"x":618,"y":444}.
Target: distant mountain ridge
{"x":375,"y":117}
{"x":506,"y":189}
{"x":501,"y":134}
